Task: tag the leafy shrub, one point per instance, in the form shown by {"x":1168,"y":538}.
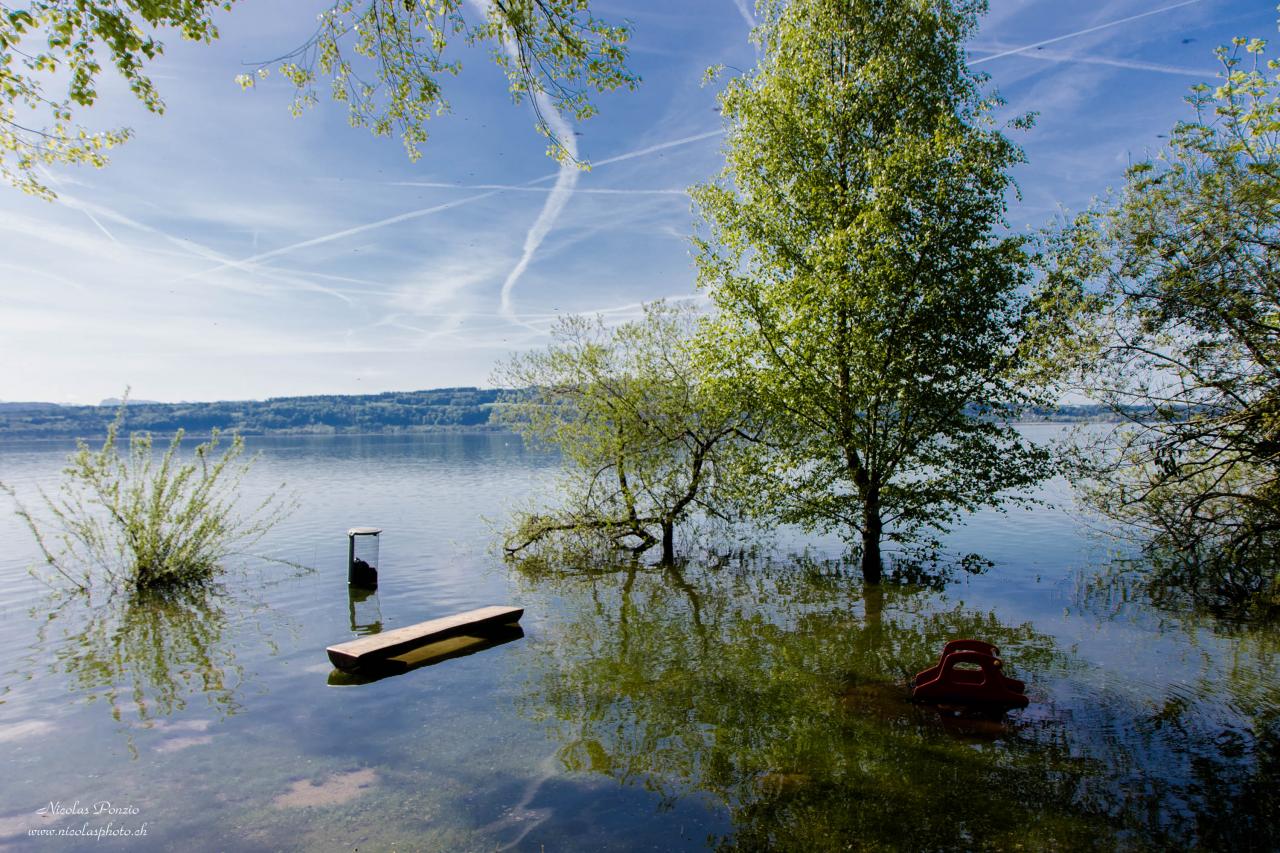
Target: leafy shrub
{"x":140,"y":523}
{"x":1182,"y":341}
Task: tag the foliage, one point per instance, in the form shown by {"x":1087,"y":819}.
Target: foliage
{"x":56,"y":41}
{"x":869,"y":300}
{"x":646,"y":443}
{"x":1186,"y":327}
{"x":147,"y":524}
{"x":554,"y":52}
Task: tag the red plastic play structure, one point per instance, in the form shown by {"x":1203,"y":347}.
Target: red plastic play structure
{"x":944,"y":683}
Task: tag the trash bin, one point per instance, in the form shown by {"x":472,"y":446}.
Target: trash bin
{"x":362,"y":557}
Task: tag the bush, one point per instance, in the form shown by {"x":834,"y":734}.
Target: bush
{"x":140,"y":524}
{"x":1182,"y":341}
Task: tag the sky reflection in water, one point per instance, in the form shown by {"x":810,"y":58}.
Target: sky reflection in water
{"x":757,"y":702}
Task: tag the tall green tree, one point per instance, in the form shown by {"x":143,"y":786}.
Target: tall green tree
{"x":871,"y":300}
{"x":385,"y":60}
{"x":1185,"y":336}
{"x":646,"y":443}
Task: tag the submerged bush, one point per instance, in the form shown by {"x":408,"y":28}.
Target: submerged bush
{"x":138,"y":522}
{"x":1181,"y":340}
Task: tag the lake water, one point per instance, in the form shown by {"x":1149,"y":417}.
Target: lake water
{"x":752,"y":701}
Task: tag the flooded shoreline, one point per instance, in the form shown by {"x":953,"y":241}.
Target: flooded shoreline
{"x":757,"y":701}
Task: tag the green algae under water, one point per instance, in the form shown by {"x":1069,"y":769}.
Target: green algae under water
{"x":756,"y":701}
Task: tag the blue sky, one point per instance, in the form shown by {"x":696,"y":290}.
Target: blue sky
{"x":231,"y":251}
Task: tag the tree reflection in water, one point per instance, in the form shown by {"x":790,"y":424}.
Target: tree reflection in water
{"x":782,"y":693}
{"x":149,"y":653}
{"x":1218,"y":732}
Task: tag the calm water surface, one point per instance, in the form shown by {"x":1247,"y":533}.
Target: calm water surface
{"x":754,"y":701}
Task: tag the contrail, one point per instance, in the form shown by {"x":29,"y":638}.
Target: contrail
{"x":338,"y":235}
{"x":508,"y":340}
{"x":744,"y":9}
{"x":525,"y":188}
{"x":359,"y":229}
{"x":639,"y":152}
{"x":1134,"y":64}
{"x":566,"y":180}
{"x":662,"y":146}
{"x":33,"y":271}
{"x":559,"y":196}
{"x":1082,"y":32}
{"x":427,"y":211}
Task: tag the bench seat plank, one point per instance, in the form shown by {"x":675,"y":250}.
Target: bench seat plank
{"x":355,"y":653}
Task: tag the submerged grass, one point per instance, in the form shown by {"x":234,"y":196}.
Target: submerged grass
{"x":134,"y":521}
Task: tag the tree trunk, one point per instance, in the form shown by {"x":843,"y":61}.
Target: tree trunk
{"x":872,"y":526}
{"x":668,"y":542}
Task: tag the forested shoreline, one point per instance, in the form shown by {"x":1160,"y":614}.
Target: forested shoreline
{"x":432,"y":410}
{"x":439,"y":409}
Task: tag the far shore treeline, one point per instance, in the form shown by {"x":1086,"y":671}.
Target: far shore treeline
{"x":433,"y":410}
{"x":322,"y":414}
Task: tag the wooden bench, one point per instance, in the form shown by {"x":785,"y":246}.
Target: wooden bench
{"x":369,"y":651}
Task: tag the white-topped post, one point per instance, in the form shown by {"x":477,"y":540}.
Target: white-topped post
{"x":362,"y":556}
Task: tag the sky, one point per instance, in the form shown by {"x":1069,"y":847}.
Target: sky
{"x":232,"y":251}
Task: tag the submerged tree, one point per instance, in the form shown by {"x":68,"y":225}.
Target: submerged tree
{"x":646,"y":444}
{"x":1186,"y":342}
{"x":870,"y":299}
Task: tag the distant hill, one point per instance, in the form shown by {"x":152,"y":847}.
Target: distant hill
{"x":395,"y":411}
{"x":115,"y":401}
{"x":27,"y":407}
{"x":439,"y":409}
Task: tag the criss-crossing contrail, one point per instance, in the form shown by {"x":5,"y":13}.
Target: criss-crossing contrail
{"x":619,"y":158}
{"x":96,"y":213}
{"x":1132,"y":64}
{"x":246,"y":263}
{"x":1085,"y":31}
